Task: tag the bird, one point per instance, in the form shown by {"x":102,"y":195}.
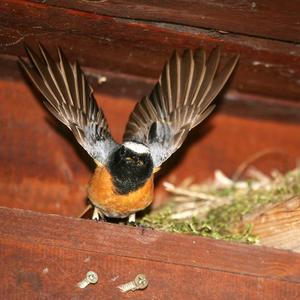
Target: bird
{"x":122,"y":183}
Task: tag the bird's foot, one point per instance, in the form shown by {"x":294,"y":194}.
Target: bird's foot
{"x":98,"y":215}
{"x":132,"y":222}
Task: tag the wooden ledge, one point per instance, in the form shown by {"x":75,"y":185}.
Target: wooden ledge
{"x":46,"y":255}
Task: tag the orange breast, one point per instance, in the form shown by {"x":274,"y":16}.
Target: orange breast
{"x":102,"y":194}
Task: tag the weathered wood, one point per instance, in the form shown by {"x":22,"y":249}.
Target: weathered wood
{"x":266,"y":67}
{"x":44,"y":169}
{"x":270,"y":19}
{"x":278,"y":225}
{"x":262,"y":108}
{"x":44,"y":256}
{"x":120,"y":86}
{"x":117,"y":85}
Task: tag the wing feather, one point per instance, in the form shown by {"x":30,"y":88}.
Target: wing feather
{"x":70,"y":99}
{"x":210,"y":71}
{"x":188,"y":67}
{"x":179,"y":101}
{"x":198,"y":76}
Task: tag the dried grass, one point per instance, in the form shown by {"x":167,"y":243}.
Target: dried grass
{"x":215,"y":208}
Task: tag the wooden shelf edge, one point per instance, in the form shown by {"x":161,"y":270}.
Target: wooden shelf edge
{"x":44,"y":257}
{"x":147,"y":244}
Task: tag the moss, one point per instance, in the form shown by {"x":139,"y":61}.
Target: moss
{"x":221,"y":221}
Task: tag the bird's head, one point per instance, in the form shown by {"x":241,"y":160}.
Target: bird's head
{"x":131,"y":165}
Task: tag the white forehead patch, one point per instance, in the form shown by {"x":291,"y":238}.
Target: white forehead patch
{"x":137,"y":147}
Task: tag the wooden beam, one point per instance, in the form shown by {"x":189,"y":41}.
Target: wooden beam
{"x":266,"y":67}
{"x":269,"y":19}
{"x":120,"y":86}
{"x":46,"y":255}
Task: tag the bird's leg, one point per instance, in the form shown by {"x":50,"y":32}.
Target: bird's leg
{"x":131,"y":220}
{"x":98,"y":215}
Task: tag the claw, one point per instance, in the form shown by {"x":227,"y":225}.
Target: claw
{"x":131,"y":219}
{"x":132,"y":222}
{"x":97,"y":215}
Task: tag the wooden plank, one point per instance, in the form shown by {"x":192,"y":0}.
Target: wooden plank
{"x":120,"y":86}
{"x":117,"y":85}
{"x":278,"y":225}
{"x":270,"y":19}
{"x":261,"y":108}
{"x":130,"y":242}
{"x":267,"y":67}
{"x":45,"y":256}
{"x":52,"y":272}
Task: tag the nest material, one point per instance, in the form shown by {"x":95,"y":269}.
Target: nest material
{"x":220,"y":209}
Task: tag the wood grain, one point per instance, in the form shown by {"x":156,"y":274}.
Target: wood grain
{"x":43,"y":169}
{"x":278,"y":225}
{"x":120,"y":86}
{"x":46,"y":255}
{"x":266,"y":67}
{"x":265,"y":18}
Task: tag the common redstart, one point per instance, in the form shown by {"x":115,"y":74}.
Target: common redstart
{"x":180,"y":100}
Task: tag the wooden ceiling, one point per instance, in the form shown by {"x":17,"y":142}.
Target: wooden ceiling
{"x":134,"y":38}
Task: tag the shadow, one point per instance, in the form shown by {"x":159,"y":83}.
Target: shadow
{"x":174,"y":160}
{"x":67,"y":134}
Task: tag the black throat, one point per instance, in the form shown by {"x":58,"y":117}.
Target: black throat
{"x":129,"y":170}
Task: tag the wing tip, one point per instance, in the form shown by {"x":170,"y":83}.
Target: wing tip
{"x":217,"y":50}
{"x":215,"y":55}
{"x":231,"y":64}
{"x":22,"y":62}
{"x":235,"y":59}
{"x":62,"y":56}
{"x":42,"y":50}
{"x":25,"y":65}
{"x":30,"y":53}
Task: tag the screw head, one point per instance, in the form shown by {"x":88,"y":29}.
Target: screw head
{"x":141,"y":281}
{"x":92,"y":277}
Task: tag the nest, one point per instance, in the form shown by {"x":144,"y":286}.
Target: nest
{"x":224,"y":208}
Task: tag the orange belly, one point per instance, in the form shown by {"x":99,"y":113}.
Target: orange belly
{"x":103,"y":195}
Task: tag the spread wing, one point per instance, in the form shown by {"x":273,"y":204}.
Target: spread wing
{"x":70,"y":99}
{"x":180,"y":100}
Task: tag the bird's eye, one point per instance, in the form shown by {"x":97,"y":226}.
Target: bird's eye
{"x":122,"y":150}
{"x":139,"y":162}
